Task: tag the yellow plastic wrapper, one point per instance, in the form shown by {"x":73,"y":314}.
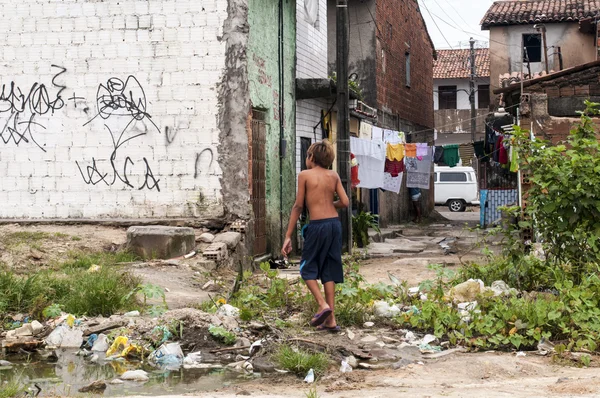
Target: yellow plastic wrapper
{"x":120,"y":344}
{"x":70,"y":320}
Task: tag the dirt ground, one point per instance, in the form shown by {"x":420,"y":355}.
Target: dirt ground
{"x":457,"y":375}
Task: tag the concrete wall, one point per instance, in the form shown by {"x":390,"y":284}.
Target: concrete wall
{"x":111,"y":109}
{"x":462,"y":97}
{"x":505,"y":48}
{"x":264,"y":80}
{"x":457,"y":120}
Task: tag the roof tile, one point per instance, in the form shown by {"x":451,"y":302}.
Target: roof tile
{"x":454,"y":64}
{"x":517,"y":12}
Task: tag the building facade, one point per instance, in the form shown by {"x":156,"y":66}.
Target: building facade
{"x":391,"y":56}
{"x":517,"y":43}
{"x":451,"y":88}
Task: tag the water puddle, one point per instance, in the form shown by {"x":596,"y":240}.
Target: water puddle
{"x":67,"y":374}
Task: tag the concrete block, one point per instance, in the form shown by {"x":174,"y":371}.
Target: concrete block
{"x":160,"y":241}
{"x":231,"y":239}
{"x":217,"y":251}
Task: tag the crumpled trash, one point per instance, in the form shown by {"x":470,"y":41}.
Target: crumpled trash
{"x":131,"y":314}
{"x":310,"y":376}
{"x":521,"y":354}
{"x":160,"y":334}
{"x":4,"y":363}
{"x":91,"y":340}
{"x":467,"y":291}
{"x":413,"y":310}
{"x":345,"y":367}
{"x":429,"y":349}
{"x":545,"y":347}
{"x":500,"y":288}
{"x":65,"y":337}
{"x":101,"y":344}
{"x":228,"y":310}
{"x":192,"y":360}
{"x":135,"y":375}
{"x":383,"y":309}
{"x":254,"y":347}
{"x":429,"y":338}
{"x":120,"y":344}
{"x":167,"y":356}
{"x":413,"y":290}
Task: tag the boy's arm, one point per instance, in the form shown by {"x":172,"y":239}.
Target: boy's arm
{"x":296,"y":211}
{"x":343,"y":201}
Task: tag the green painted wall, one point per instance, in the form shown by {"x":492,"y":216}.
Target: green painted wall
{"x":263,"y":75}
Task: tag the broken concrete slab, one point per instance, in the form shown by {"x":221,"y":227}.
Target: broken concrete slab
{"x":206,"y":238}
{"x":231,"y":239}
{"x":162,"y":242}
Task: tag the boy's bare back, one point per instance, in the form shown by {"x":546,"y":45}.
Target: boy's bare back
{"x":319,"y":186}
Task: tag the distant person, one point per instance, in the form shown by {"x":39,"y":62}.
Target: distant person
{"x":322,"y":251}
{"x":415,"y":197}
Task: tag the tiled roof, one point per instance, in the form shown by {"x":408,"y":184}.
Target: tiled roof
{"x":517,"y":12}
{"x":454,"y":64}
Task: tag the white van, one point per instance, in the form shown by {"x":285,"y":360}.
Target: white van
{"x":455,"y":187}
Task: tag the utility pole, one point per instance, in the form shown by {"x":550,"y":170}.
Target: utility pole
{"x":545,"y":47}
{"x":472,"y":90}
{"x":343,"y":118}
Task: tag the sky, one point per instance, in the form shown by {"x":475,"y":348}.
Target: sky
{"x":458,"y":20}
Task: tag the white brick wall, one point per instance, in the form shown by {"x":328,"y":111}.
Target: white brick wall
{"x":51,"y":122}
{"x":311,"y":43}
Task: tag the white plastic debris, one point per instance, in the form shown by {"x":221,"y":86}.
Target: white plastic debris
{"x":101,"y":343}
{"x":167,"y":356}
{"x":135,"y":375}
{"x":521,"y":354}
{"x":429,"y":338}
{"x":132,"y":314}
{"x":383,"y":309}
{"x":368,"y":324}
{"x":413,"y":290}
{"x":410,"y":337}
{"x":310,"y":376}
{"x":192,"y":358}
{"x":345,"y":368}
{"x":255,"y":347}
{"x":228,"y":310}
{"x":65,"y":337}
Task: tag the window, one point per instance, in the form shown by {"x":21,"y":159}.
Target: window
{"x":532,"y":50}
{"x":304,"y":145}
{"x":407,"y":54}
{"x":447,"y":97}
{"x":453,"y":177}
{"x":483,"y":96}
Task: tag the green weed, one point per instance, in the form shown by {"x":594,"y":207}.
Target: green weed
{"x":86,"y":260}
{"x":222,"y":335}
{"x":299,"y":361}
{"x":312,"y":393}
{"x":10,"y":389}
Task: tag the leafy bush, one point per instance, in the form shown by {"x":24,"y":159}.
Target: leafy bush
{"x":221,"y":334}
{"x":299,"y":361}
{"x":360,"y":227}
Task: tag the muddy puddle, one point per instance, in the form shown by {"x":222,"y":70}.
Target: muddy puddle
{"x":65,"y":375}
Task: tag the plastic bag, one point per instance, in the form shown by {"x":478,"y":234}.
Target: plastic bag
{"x":167,"y":356}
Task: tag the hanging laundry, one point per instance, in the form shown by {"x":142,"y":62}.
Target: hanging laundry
{"x":451,"y":155}
{"x":394,"y":167}
{"x":411,"y":150}
{"x":377,"y":134}
{"x":391,"y":183}
{"x":366,"y":131}
{"x":394,"y":151}
{"x":393,"y":137}
{"x":502,"y":152}
{"x":354,"y":181}
{"x":466,"y":153}
{"x":418,"y":172}
{"x":422,"y":149}
{"x":371,"y":158}
{"x":514,"y":159}
{"x":478,"y":147}
{"x":438,"y":155}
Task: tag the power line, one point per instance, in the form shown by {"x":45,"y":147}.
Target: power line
{"x":436,"y":25}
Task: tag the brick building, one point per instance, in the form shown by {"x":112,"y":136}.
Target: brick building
{"x":392,"y":56}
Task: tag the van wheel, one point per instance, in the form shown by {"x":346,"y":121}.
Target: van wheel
{"x":456,"y":205}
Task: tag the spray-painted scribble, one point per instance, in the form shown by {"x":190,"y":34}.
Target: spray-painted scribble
{"x":22,"y":108}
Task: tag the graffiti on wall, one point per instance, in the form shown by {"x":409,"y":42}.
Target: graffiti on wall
{"x":121,"y":116}
{"x":20,"y":109}
{"x":120,"y":105}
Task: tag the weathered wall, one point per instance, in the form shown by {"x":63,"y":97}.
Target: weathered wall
{"x":401,"y":30}
{"x":505,"y":48}
{"x":263,"y":73}
{"x":110,"y":109}
{"x":462,"y":97}
{"x":361,"y":52}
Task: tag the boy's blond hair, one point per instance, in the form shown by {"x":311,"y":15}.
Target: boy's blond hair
{"x":321,"y":153}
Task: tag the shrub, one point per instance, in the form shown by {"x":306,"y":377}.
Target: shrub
{"x":299,"y":361}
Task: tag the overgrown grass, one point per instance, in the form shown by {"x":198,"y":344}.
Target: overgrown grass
{"x":29,"y":238}
{"x":78,"y":259}
{"x":299,"y":361}
{"x":11,"y":389}
{"x":76,"y":290}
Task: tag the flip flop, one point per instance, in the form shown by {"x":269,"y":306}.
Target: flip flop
{"x":320,"y":317}
{"x":330,"y":329}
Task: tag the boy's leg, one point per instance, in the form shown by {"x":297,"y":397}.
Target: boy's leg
{"x":330,"y":298}
{"x":313,"y":286}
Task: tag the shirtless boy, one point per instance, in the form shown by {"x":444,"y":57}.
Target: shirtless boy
{"x":322,"y":253}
